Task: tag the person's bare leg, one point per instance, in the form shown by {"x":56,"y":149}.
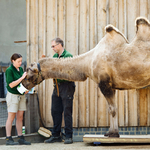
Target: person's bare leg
{"x":9,"y":122}
{"x":19,"y":122}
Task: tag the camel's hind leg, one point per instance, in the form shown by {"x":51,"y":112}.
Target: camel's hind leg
{"x":109,"y":93}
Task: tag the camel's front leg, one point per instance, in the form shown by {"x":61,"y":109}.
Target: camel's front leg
{"x":113,"y":130}
{"x":109,"y":93}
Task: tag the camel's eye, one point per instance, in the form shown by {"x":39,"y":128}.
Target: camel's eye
{"x":31,"y":65}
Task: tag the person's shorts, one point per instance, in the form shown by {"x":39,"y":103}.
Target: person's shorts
{"x":15,"y":102}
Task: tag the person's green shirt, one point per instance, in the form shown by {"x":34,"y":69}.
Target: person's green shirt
{"x":12,"y":74}
{"x":63,"y":55}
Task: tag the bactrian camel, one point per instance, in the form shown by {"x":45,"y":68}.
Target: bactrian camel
{"x":112,"y":64}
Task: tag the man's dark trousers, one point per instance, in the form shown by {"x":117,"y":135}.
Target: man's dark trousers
{"x":63,"y":103}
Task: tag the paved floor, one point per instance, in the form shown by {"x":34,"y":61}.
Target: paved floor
{"x":74,"y":146}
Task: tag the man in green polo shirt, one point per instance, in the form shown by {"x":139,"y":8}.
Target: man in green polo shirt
{"x":62,"y":102}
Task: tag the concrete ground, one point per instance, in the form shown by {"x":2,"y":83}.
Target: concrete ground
{"x":37,"y":143}
{"x":74,"y":146}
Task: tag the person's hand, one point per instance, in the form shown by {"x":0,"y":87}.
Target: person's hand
{"x":24,"y":75}
{"x":26,"y":92}
{"x":43,"y":56}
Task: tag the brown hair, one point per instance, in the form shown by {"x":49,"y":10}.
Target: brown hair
{"x":59,"y":40}
{"x":15,"y":56}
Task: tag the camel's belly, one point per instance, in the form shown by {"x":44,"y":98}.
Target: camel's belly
{"x":131,"y":75}
{"x":130,"y":84}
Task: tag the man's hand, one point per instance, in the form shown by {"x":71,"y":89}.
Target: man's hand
{"x":26,"y":92}
{"x":43,"y":56}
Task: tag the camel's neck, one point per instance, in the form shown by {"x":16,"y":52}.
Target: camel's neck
{"x":72,"y":69}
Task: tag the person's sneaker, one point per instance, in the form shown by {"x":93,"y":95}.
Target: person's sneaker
{"x":53,"y":139}
{"x":68,"y":141}
{"x":22,"y":141}
{"x":10,"y":141}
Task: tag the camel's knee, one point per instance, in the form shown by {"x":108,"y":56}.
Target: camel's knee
{"x":112,"y":111}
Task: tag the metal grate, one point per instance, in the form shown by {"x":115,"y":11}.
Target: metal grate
{"x":2,"y":85}
{"x":4,"y":114}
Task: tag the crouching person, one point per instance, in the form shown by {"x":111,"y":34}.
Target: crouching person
{"x":16,"y":103}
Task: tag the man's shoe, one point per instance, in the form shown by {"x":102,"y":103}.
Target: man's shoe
{"x":53,"y":139}
{"x":22,"y":141}
{"x":10,"y":141}
{"x":68,"y":141}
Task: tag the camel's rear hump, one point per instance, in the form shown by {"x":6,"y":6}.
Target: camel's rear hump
{"x":142,"y":20}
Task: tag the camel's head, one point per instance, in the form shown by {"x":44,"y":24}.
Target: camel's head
{"x":34,"y":76}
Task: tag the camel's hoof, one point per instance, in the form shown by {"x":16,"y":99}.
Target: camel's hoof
{"x":107,"y":134}
{"x":114,"y":135}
